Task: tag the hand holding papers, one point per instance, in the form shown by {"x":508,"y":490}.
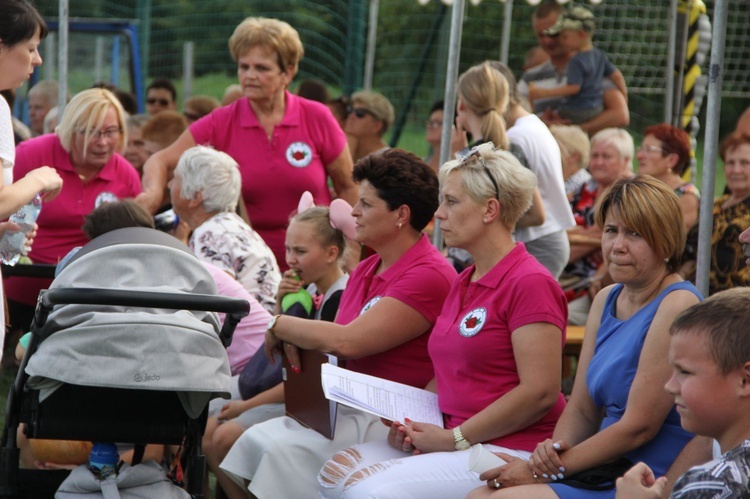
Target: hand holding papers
{"x":387,"y":399}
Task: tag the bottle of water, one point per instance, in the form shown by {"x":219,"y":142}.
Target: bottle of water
{"x":13,"y":242}
{"x":103,"y":460}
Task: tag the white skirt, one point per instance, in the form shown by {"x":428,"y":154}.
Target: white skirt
{"x":282,"y":458}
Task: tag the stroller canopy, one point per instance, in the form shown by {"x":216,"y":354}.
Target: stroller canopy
{"x":134,"y":348}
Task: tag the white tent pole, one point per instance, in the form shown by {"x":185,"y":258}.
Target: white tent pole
{"x":507,"y":26}
{"x":62,"y":59}
{"x":713,"y":112}
{"x":372,"y":33}
{"x":449,"y":108}
{"x":671,"y":56}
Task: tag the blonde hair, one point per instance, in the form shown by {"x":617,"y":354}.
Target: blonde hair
{"x":574,"y":140}
{"x":484,"y":90}
{"x":651,"y":209}
{"x":272,"y":34}
{"x":85,"y":113}
{"x":319,"y":217}
{"x":515,"y":184}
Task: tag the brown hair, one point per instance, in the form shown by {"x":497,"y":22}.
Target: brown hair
{"x":722,"y":320}
{"x":164,"y":128}
{"x":650,"y":208}
{"x":732,"y":142}
{"x":273,"y":34}
{"x":117,"y":215}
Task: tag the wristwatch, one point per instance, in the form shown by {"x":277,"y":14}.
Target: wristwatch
{"x":272,"y":324}
{"x":460,"y":441}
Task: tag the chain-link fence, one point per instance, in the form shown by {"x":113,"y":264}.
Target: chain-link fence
{"x":412,"y":40}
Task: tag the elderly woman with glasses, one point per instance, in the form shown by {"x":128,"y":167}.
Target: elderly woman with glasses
{"x":731,"y":216}
{"x":85,"y":152}
{"x":496,"y":347}
{"x":285,"y":145}
{"x":665,"y":155}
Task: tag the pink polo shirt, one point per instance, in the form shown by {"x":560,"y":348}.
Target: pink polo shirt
{"x":275,"y":173}
{"x":420,"y":279}
{"x":61,"y":219}
{"x":471,"y":347}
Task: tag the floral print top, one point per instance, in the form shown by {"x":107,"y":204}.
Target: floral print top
{"x":227,"y":242}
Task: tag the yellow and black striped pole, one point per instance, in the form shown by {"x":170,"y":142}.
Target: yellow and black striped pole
{"x":697,"y":38}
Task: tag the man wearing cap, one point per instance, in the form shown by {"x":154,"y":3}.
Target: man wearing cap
{"x":552,"y":74}
{"x":370,"y":116}
{"x":583,"y":92}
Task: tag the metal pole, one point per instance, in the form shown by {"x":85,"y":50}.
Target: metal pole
{"x":98,"y":59}
{"x":449,"y":109}
{"x":62,"y":58}
{"x":372,"y":34}
{"x":671,"y":55}
{"x":713,"y":112}
{"x":187,"y":74}
{"x":50,"y":56}
{"x":507,"y":26}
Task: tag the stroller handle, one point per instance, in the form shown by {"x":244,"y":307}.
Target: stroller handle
{"x":235,"y":308}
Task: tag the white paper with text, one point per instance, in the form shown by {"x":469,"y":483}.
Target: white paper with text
{"x":387,"y":399}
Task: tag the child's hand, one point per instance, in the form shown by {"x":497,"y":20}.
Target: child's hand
{"x":231,"y":410}
{"x":289,"y":284}
{"x":639,"y":483}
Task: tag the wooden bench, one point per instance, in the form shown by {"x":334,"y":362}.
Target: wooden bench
{"x":572,"y":350}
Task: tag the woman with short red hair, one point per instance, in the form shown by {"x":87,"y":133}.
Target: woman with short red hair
{"x":665,"y":154}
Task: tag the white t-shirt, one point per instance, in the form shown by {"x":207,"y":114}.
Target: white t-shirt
{"x":7,"y":143}
{"x":533,"y":137}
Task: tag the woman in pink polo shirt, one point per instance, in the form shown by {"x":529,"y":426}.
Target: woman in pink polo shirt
{"x":382,"y":327}
{"x":84,"y":152}
{"x":496,"y":347}
{"x":285,"y":145}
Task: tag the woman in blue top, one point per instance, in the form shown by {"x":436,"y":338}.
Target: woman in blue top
{"x":619,"y":407}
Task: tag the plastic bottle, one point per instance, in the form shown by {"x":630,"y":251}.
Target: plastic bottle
{"x":103,"y":460}
{"x":13,"y":242}
{"x":298,"y":304}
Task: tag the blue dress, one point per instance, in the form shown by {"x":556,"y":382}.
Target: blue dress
{"x":610,"y":375}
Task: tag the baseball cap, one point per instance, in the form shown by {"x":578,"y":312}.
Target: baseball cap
{"x":577,"y":18}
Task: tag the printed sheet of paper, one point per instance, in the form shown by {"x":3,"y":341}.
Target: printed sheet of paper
{"x":387,"y":399}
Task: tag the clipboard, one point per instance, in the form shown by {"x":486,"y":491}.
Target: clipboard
{"x":303,"y":393}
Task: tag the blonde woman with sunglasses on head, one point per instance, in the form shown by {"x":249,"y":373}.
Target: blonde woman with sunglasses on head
{"x":496,"y":348}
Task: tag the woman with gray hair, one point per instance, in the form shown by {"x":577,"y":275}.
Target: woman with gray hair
{"x":611,"y":159}
{"x":496,"y":347}
{"x":204,"y":190}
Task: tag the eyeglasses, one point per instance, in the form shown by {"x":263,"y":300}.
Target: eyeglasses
{"x":153,"y":100}
{"x":191,"y":116}
{"x":433,"y":124}
{"x":474,"y":153}
{"x":361,"y":112}
{"x":107,"y":134}
{"x":648,"y":149}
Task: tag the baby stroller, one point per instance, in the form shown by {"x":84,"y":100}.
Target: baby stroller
{"x":125,"y":348}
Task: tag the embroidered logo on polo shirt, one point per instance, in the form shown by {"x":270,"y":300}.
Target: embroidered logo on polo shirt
{"x":105,"y":197}
{"x":369,"y":305}
{"x":299,"y":154}
{"x":473,"y":322}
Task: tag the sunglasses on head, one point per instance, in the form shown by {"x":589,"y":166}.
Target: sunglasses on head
{"x":361,"y":112}
{"x":154,"y":100}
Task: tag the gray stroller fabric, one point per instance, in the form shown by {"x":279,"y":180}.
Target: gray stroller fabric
{"x":143,"y":481}
{"x":136,"y":348}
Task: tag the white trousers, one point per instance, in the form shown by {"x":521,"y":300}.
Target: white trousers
{"x":384,"y":472}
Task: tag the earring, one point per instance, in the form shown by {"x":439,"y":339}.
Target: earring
{"x":399,"y":225}
{"x":484,"y":220}
{"x":666,"y":260}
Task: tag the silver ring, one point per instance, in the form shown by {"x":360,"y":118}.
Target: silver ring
{"x":497,"y":484}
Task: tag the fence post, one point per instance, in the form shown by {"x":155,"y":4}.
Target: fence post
{"x":354,"y":42}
